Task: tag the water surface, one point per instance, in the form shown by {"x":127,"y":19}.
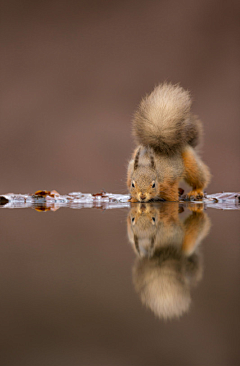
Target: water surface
{"x":78,"y":287}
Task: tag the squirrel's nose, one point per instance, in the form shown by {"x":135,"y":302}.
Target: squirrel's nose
{"x":143,"y":207}
{"x":142,"y":196}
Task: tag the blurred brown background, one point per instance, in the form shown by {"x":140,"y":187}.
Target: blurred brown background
{"x":73,"y":73}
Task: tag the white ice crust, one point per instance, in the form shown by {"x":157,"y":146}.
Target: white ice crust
{"x":77,"y":200}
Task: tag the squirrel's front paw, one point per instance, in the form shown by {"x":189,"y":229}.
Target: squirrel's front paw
{"x":133,"y":200}
{"x":195,"y":195}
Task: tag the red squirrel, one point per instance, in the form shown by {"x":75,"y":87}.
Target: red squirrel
{"x":166,"y":133}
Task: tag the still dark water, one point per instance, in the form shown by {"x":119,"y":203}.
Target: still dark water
{"x":146,"y":286}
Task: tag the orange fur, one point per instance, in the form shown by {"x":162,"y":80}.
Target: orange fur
{"x":169,"y":191}
{"x":196,"y":227}
{"x":197,"y":174}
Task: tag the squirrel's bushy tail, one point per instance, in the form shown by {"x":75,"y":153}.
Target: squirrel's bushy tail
{"x":163,"y":120}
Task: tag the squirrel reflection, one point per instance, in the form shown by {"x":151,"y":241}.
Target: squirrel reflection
{"x":169,"y":262}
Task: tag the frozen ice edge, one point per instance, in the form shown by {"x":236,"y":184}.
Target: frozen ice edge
{"x":77,"y":200}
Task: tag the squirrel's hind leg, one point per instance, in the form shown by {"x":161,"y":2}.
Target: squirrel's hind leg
{"x":196,"y":173}
{"x":196,"y":228}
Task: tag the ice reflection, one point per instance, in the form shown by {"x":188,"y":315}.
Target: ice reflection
{"x":168,"y":257}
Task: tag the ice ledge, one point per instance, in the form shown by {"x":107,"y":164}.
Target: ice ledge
{"x":52,"y":200}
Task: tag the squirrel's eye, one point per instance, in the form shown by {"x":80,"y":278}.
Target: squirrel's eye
{"x":153,"y":185}
{"x":133,"y":185}
{"x":133,"y":219}
{"x":153,"y":219}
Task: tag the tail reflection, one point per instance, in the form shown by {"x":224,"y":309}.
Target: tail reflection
{"x":168,"y":260}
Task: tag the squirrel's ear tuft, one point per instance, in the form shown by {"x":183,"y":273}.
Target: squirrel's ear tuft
{"x":136,"y":159}
{"x":136,"y":244}
{"x":152,"y":161}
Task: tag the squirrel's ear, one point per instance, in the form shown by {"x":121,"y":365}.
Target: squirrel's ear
{"x":152,"y":161}
{"x":136,"y":244}
{"x":136,"y":159}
